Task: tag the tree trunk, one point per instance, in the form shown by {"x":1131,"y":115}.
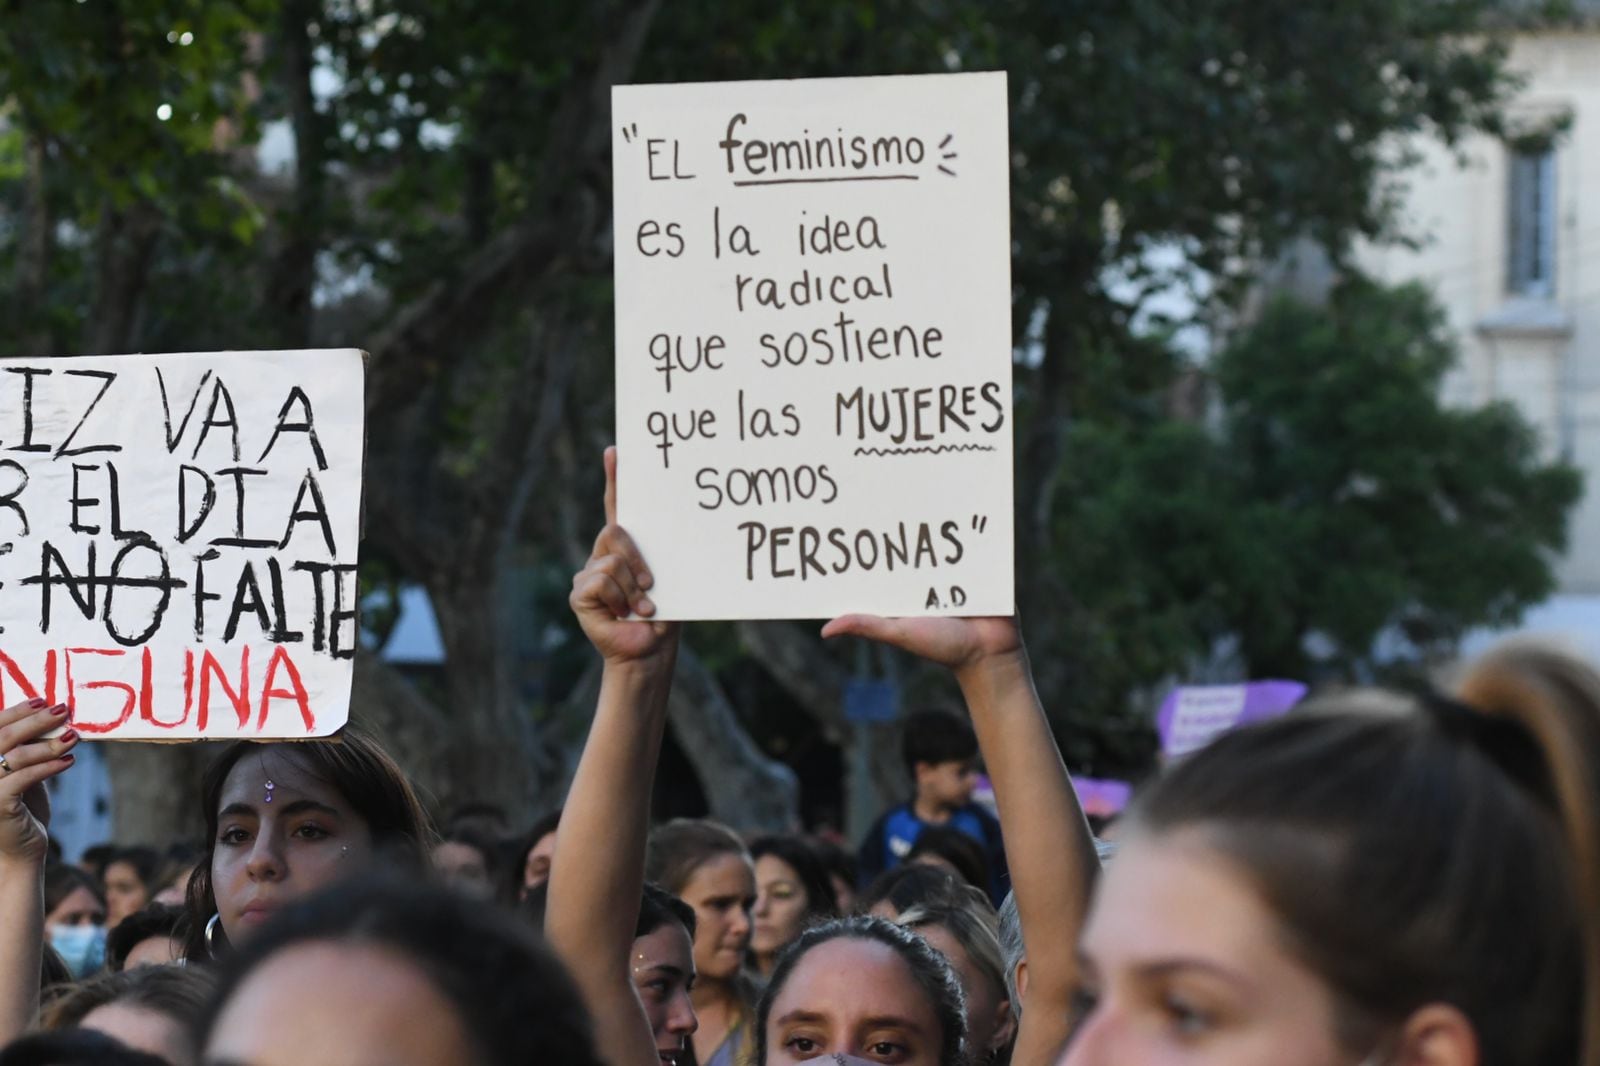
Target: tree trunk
{"x":157,"y":790}
{"x":408,"y":725}
{"x":488,"y":749}
{"x":127,"y":239}
{"x":746,"y":790}
{"x":33,"y":260}
{"x":294,"y":266}
{"x":874,"y":776}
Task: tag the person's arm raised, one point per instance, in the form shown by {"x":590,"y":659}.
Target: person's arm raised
{"x":1050,"y":848}
{"x":24,"y":814}
{"x":597,"y":878}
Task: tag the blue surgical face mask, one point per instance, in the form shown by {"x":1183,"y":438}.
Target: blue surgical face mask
{"x":81,"y":947}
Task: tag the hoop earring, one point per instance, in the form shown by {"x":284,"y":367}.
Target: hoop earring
{"x":211,"y":934}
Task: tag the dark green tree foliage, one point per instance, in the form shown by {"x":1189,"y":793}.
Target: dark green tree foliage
{"x":1334,"y":497}
{"x":1370,"y":502}
{"x":450,"y":202}
{"x":120,"y":121}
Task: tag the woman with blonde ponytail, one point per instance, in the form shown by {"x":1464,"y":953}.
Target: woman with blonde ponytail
{"x":1375,"y":880}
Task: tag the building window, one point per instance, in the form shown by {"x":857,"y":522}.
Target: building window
{"x":1532,"y":262}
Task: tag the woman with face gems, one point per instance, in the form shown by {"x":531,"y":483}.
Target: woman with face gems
{"x":283,"y":820}
{"x":28,"y":758}
{"x":707,"y":865}
{"x":634,"y":965}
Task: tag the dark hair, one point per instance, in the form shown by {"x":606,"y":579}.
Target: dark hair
{"x":97,"y":855}
{"x":681,"y":846}
{"x":146,"y":862}
{"x":658,"y":907}
{"x":955,"y":848}
{"x":184,"y":853}
{"x":179,"y":992}
{"x":53,"y":970}
{"x":836,"y":860}
{"x":363,"y":773}
{"x":74,"y":1047}
{"x":156,"y":919}
{"x":802,"y":858}
{"x":514,"y":1000}
{"x":935,"y":737}
{"x":909,"y":885}
{"x":546,"y":824}
{"x":533,"y":904}
{"x":487,"y":819}
{"x":1421,"y":851}
{"x":928,"y":968}
{"x":62,"y":880}
{"x":472,"y":837}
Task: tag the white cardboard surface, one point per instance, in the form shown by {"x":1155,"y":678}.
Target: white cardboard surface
{"x":813,"y":345}
{"x":127,"y":596}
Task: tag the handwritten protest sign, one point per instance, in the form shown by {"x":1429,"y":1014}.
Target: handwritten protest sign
{"x":813,"y":345}
{"x":1194,"y":715}
{"x":178,"y":540}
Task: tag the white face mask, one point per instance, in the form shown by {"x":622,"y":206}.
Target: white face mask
{"x":81,"y":947}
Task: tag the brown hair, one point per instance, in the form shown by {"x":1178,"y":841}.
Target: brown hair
{"x":62,"y":880}
{"x":681,"y":846}
{"x":1418,"y":850}
{"x":179,"y":992}
{"x":971,"y":919}
{"x":364,"y":775}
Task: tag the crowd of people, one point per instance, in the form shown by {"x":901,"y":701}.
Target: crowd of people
{"x":1377,"y":878}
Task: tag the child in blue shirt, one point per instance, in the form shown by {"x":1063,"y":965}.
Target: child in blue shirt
{"x":941,"y":755}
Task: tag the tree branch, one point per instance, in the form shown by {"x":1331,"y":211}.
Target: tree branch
{"x":449,"y":315}
{"x":294,"y":267}
{"x":816,"y":681}
{"x":34,"y":258}
{"x":746,"y":790}
{"x":127,"y":240}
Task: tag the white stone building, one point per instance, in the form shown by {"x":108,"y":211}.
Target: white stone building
{"x":1512,"y":252}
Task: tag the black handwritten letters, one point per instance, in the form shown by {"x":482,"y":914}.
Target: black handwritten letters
{"x":813,"y":348}
{"x":178,"y":540}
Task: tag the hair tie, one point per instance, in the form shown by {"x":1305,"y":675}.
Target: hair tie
{"x":1502,"y":740}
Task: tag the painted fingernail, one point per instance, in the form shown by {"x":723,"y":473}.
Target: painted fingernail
{"x":59,"y":709}
{"x":37,"y":702}
{"x":66,"y":760}
{"x":69,"y":736}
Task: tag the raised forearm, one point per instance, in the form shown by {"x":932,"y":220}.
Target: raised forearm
{"x":21,"y":945}
{"x":598,"y":875}
{"x":1048,"y":843}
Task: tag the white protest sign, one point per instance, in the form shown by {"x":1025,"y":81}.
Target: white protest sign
{"x":178,"y":538}
{"x":813,"y":346}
